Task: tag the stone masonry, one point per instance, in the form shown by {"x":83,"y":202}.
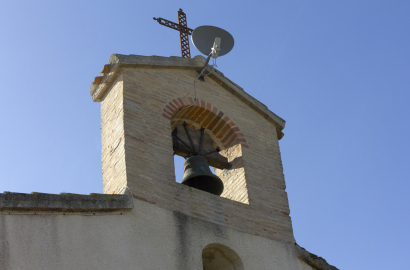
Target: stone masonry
{"x":144,"y":98}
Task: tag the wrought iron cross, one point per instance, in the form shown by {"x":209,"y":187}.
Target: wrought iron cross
{"x":184,"y":31}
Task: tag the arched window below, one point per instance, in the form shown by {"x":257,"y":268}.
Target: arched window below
{"x":220,"y":257}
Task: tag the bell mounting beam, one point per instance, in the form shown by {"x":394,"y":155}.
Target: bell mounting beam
{"x":183,"y":29}
{"x":201,"y":140}
{"x":183,"y":147}
{"x":190,"y":139}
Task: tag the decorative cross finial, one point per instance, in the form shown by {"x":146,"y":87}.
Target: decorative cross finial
{"x":184,"y":31}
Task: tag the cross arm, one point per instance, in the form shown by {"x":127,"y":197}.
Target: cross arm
{"x":173,"y":25}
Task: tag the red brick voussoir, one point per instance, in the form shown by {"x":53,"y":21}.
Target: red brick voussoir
{"x":208,"y":116}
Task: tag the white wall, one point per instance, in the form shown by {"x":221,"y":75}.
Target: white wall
{"x":149,"y":237}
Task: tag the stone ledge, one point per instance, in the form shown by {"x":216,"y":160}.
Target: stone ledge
{"x":313,"y":260}
{"x":117,"y":62}
{"x":64,"y":202}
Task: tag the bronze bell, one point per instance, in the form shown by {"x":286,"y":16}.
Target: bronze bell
{"x":198,"y":175}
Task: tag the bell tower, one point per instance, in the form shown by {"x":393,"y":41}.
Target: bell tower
{"x":144,"y":99}
{"x":149,"y":114}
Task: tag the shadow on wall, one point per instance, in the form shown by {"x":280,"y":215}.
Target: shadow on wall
{"x":220,"y":257}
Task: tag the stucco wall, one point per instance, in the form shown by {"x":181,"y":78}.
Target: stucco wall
{"x":149,"y":237}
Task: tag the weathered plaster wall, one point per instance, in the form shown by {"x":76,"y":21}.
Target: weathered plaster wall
{"x":149,"y":238}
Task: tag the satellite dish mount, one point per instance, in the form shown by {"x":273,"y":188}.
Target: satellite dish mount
{"x":208,"y":40}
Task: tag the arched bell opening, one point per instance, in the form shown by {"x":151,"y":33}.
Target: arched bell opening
{"x":222,"y":144}
{"x":220,"y":257}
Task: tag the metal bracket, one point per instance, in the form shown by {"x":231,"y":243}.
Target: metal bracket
{"x":202,"y":72}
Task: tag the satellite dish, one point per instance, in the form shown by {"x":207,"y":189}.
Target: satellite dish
{"x":203,"y":38}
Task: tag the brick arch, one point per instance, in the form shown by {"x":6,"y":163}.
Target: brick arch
{"x":223,"y":129}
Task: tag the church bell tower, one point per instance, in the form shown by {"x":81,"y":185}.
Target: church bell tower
{"x":148,"y":115}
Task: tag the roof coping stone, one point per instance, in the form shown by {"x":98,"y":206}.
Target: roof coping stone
{"x":64,"y":202}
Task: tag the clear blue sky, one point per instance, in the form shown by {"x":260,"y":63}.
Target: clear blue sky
{"x":337,"y":71}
